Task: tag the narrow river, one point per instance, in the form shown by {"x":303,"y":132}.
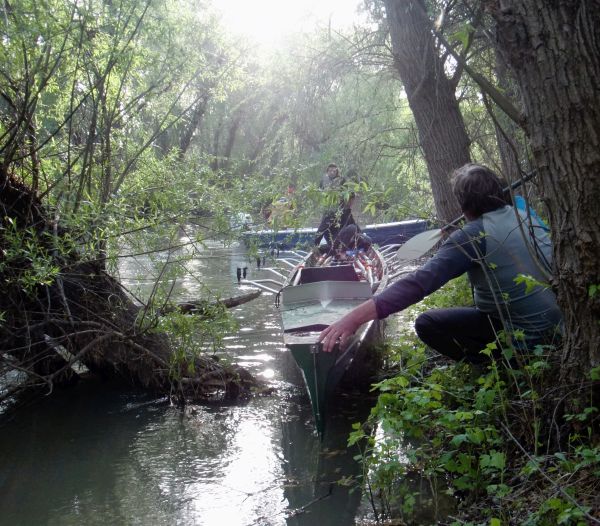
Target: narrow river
{"x":96,"y":454}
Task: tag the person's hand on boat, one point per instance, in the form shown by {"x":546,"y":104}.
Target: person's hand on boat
{"x":340,"y":331}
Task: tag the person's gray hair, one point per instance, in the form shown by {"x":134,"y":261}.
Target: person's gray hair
{"x":477,"y":189}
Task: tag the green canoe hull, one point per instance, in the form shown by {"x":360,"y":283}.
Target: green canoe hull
{"x":312,"y":299}
{"x":306,"y":310}
{"x":323,"y":371}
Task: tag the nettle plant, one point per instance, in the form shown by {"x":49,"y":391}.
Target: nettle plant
{"x":467,"y":431}
{"x":434,"y":423}
{"x":443,"y":425}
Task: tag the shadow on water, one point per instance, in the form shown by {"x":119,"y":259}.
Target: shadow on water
{"x":61,"y":456}
{"x":96,"y":454}
{"x":324,"y":479}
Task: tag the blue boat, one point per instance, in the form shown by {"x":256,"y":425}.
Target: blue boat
{"x":381,"y":234}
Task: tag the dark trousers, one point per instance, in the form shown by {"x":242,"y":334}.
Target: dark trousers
{"x":346,"y":238}
{"x":331,"y":224}
{"x":459,"y":333}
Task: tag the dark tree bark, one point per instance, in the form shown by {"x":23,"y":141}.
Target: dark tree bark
{"x":216,"y":140}
{"x":431,"y":96}
{"x":507,"y":131}
{"x":271,"y":127}
{"x":553,"y":49}
{"x":222,"y":159}
{"x":232,"y":135}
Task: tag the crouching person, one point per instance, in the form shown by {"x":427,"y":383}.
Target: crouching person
{"x":497,"y":244}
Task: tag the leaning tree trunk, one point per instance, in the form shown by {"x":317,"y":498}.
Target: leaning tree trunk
{"x":507,"y":131}
{"x":553,"y":49}
{"x":82,"y":315}
{"x":431,"y":96}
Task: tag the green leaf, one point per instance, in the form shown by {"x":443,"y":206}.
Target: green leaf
{"x":476,"y":436}
{"x":530,"y":282}
{"x":464,"y":415}
{"x":457,"y":440}
{"x":508,"y":353}
{"x":496,"y":460}
{"x":462,"y":35}
{"x":595,"y":373}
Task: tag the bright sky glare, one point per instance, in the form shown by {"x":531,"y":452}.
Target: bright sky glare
{"x":267,"y":21}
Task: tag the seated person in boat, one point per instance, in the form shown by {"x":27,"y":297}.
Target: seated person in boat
{"x":349,"y":240}
{"x":494,"y":247}
{"x":336,"y":217}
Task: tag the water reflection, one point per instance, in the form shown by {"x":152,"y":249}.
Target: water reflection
{"x":96,"y":454}
{"x":322,"y":475}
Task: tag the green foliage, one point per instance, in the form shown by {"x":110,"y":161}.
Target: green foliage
{"x":463,"y":35}
{"x":129,"y":118}
{"x":556,"y":511}
{"x":115,"y":92}
{"x":445,"y":413}
{"x":530,"y":283}
{"x":448,"y":424}
{"x":27,"y":259}
{"x":194,"y":335}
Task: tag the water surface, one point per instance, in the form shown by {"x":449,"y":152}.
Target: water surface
{"x":100,"y":454}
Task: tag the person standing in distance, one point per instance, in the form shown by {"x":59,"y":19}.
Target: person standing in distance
{"x":334,"y":219}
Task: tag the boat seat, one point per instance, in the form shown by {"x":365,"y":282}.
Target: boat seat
{"x":339,"y":273}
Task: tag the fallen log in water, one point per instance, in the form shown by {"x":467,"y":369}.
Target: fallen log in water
{"x":199,"y":306}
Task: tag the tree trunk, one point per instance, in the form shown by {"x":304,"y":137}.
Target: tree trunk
{"x":193,"y":307}
{"x":214,"y":163}
{"x":507,"y":132}
{"x":231,"y":137}
{"x":554,"y":51}
{"x":431,"y":96}
{"x":190,"y":129}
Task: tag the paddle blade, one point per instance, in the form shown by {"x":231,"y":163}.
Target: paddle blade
{"x":418,"y":245}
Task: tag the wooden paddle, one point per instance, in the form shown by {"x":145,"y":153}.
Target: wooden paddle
{"x":417,"y":246}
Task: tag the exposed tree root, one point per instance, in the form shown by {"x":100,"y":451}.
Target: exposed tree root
{"x":84,"y":316}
